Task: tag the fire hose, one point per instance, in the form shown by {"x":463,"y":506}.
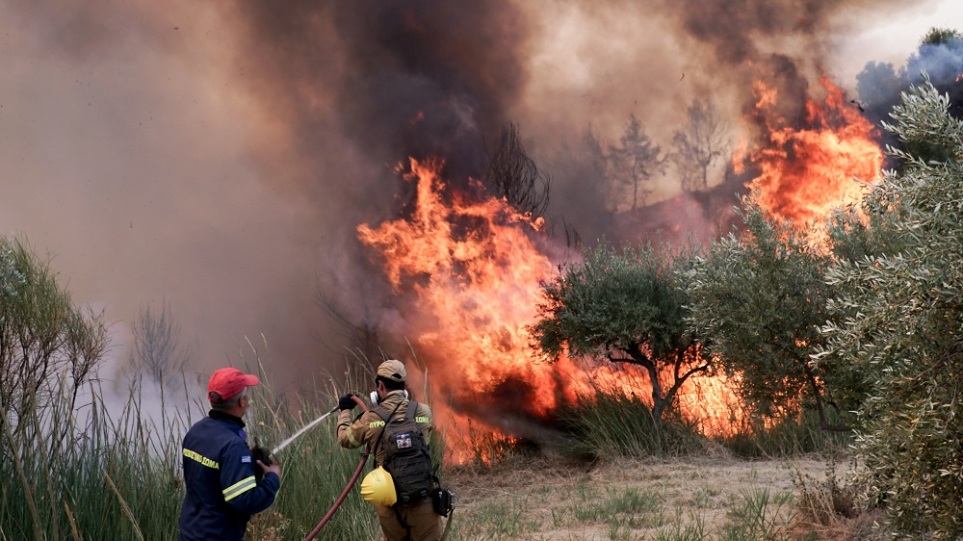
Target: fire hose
{"x":347,"y":488}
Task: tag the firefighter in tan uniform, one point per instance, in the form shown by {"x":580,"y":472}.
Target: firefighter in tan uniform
{"x":416,"y":521}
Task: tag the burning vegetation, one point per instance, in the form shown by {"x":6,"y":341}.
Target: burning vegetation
{"x":822,"y":163}
{"x":466,"y":243}
{"x":469,"y":264}
{"x":469,"y":274}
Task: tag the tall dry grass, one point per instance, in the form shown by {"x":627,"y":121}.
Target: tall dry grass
{"x":112,"y":470}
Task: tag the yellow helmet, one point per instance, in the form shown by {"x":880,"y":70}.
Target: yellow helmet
{"x":378,"y":488}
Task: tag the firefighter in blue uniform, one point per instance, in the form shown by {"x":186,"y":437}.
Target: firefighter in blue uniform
{"x":222,"y":492}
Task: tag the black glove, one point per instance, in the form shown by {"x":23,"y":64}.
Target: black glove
{"x":262,"y":454}
{"x":347,"y":402}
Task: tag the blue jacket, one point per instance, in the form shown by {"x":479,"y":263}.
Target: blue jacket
{"x":222,"y":493}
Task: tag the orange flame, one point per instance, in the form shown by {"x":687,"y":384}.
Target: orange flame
{"x":807,"y":172}
{"x":469,"y":273}
{"x":474,"y":271}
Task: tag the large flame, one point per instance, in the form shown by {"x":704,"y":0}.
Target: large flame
{"x":807,"y":171}
{"x":473,"y":271}
{"x":467,"y":273}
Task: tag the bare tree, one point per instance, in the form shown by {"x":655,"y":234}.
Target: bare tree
{"x":362,"y":335}
{"x":514,"y":175}
{"x":697,"y":146}
{"x":635,"y":161}
{"x":157,"y":352}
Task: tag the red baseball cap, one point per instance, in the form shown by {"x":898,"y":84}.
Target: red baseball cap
{"x":227,"y":382}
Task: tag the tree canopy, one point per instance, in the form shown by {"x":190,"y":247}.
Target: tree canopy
{"x":900,"y":319}
{"x":760,"y":297}
{"x":48,"y":347}
{"x":634,"y":162}
{"x":701,"y":142}
{"x":623,"y":307}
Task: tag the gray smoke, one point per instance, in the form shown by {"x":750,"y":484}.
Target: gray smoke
{"x":220,"y":156}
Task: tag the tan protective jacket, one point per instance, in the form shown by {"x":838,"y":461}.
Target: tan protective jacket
{"x":367,"y":429}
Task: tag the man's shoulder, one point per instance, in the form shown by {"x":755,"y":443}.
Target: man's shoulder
{"x":421,"y":407}
{"x":214,"y":431}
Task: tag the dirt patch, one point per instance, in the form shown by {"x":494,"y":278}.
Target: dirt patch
{"x":627,"y":499}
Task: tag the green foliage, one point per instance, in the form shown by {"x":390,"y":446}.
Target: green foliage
{"x":901,"y":321}
{"x":853,"y":235}
{"x":315,"y":469}
{"x":89,"y":474}
{"x":105,"y":474}
{"x":919,"y":122}
{"x":614,"y":425}
{"x":758,"y":517}
{"x":940,"y":36}
{"x":795,"y":436}
{"x":759,"y":300}
{"x":624,"y":307}
{"x":45,"y":342}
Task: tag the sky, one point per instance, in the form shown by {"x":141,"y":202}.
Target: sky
{"x":216,"y":158}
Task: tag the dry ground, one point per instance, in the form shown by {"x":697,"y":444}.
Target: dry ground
{"x":545,"y":500}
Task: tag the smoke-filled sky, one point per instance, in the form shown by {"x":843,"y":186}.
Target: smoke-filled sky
{"x":218,"y":156}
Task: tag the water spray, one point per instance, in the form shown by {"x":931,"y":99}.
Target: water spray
{"x":301,"y":431}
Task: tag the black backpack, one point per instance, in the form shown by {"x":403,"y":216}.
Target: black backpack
{"x":406,"y":455}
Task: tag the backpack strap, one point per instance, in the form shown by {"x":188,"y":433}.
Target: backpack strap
{"x":386,"y":417}
{"x":383,"y":413}
{"x":412,"y":408}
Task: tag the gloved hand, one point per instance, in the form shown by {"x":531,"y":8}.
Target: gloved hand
{"x":347,"y":402}
{"x":262,"y":455}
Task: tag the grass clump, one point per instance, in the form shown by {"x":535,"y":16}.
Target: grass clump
{"x":111,"y":469}
{"x":616,"y":425}
{"x":763,"y":438}
{"x":89,"y":474}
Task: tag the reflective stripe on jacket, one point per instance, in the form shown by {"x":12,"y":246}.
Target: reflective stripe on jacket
{"x":222,"y":493}
{"x":367,"y":428}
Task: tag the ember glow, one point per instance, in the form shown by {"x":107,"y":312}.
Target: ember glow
{"x":807,"y":171}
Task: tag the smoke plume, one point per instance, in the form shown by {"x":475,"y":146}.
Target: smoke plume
{"x":220,"y":156}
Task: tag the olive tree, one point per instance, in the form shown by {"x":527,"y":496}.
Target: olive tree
{"x":759,"y":299}
{"x":623,"y":307}
{"x":48,"y":346}
{"x":901,"y":320}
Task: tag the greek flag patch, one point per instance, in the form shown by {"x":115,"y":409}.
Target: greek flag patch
{"x":246,"y":459}
{"x":403,"y":441}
